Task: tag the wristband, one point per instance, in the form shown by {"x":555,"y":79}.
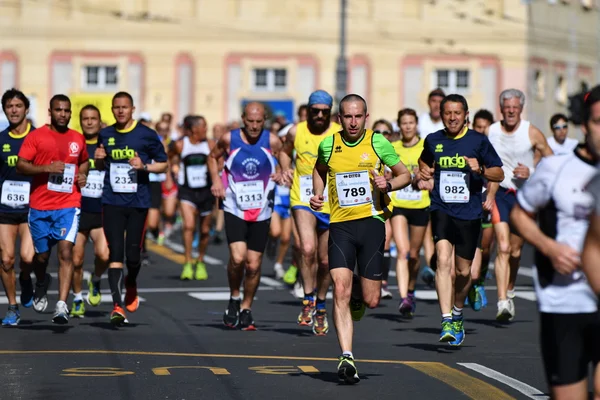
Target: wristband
{"x":388,"y":186}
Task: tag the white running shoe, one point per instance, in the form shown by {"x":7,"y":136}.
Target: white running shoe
{"x":40,"y":297}
{"x":385,"y":294}
{"x":506,"y":310}
{"x":61,"y":313}
{"x":298,"y":290}
{"x":279,"y":271}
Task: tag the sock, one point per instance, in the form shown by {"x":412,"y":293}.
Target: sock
{"x":133,"y":271}
{"x":310,"y":297}
{"x":14,"y":307}
{"x":348,"y":354}
{"x":446,"y":316}
{"x":115,"y":278}
{"x":237,"y":298}
{"x":457,"y":313}
{"x":96,"y":279}
{"x":387,"y":260}
{"x":321,"y":305}
{"x":78,"y":296}
{"x":411,"y":293}
{"x":154,"y":233}
{"x":510,"y":294}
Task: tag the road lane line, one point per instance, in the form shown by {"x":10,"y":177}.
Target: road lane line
{"x":177,"y":258}
{"x":524,"y":388}
{"x":470,"y":386}
{"x":270,"y":282}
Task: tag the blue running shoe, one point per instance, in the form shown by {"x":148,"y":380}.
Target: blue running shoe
{"x":13,"y":317}
{"x":447,"y":334}
{"x":474,"y":298}
{"x":26,"y":292}
{"x":481,"y":290}
{"x":428,"y":276}
{"x":459,"y":332}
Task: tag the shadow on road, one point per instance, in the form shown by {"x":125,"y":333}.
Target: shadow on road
{"x":332,"y":377}
{"x":442,"y":348}
{"x":52,"y":328}
{"x":495,"y":324}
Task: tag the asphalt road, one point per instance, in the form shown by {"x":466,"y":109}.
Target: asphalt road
{"x":176,"y":347}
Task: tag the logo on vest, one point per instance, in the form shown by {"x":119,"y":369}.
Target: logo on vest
{"x":439,"y":148}
{"x":111,"y":141}
{"x":250,"y":168}
{"x":73,"y":149}
{"x":6,"y":148}
{"x":452,"y":162}
{"x":338,"y":149}
{"x":122,"y":154}
{"x":12,"y":161}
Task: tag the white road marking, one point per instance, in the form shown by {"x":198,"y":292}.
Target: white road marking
{"x":524,"y":388}
{"x":106,"y":298}
{"x":270,"y":282}
{"x":86,"y":276}
{"x":178,"y":248}
{"x":526,"y":294}
{"x":525,"y":271}
{"x":217,"y":296}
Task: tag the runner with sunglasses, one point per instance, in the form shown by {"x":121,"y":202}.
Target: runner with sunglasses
{"x":560,"y":143}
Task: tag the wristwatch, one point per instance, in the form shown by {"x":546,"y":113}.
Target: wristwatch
{"x":388,"y":186}
{"x":146,"y":167}
{"x":481,"y":170}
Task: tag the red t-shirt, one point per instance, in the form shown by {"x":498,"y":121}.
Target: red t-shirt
{"x":42,"y":147}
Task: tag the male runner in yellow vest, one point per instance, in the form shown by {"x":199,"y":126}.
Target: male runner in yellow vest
{"x":352,"y":164}
{"x":312,"y":226}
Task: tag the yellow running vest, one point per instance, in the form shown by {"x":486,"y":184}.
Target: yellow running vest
{"x":306,"y":145}
{"x":350,"y":181}
{"x":408,"y":197}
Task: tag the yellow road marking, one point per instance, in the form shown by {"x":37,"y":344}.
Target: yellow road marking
{"x":308,"y":369}
{"x":165,"y":252}
{"x":164,"y":371}
{"x":472,"y":387}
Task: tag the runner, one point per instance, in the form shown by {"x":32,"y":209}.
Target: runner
{"x":351,"y":162}
{"x":568,"y":307}
{"x":248,"y":204}
{"x":195,"y":197}
{"x":519,"y":144}
{"x":57,"y":159}
{"x":153,"y":222}
{"x":451,"y":158}
{"x":90,"y":221}
{"x":313,"y":227}
{"x":218,"y":217}
{"x":560,"y":143}
{"x":410,"y":215}
{"x":127,"y":152}
{"x":14,"y":206}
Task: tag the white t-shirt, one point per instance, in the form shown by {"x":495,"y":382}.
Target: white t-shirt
{"x":557,"y":193}
{"x":427,"y":126}
{"x":567,"y":147}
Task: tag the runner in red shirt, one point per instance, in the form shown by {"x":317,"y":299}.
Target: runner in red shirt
{"x":57,"y":158}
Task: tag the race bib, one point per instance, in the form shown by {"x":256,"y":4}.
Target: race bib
{"x":306,"y":189}
{"x":353,"y":188}
{"x":62,"y":182}
{"x":196,"y":175}
{"x":123,"y":178}
{"x":249,"y":195}
{"x":15,"y":194}
{"x":409,"y":194}
{"x":454,"y":187}
{"x":95,"y":184}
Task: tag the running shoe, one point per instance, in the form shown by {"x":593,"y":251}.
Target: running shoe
{"x":474,"y":297}
{"x":447,"y":334}
{"x":132,"y":301}
{"x":161,"y":239}
{"x":93,"y":298}
{"x":78,"y":309}
{"x":187,"y":273}
{"x":246,"y":322}
{"x":231,"y":318}
{"x":291,"y":275}
{"x":26,"y":291}
{"x":298,"y":290}
{"x":459,"y":332}
{"x":117,"y":315}
{"x":385,"y":293}
{"x":201,"y":273}
{"x":279,"y":271}
{"x":40,"y":298}
{"x":481,"y":290}
{"x":13,"y":316}
{"x":217,"y":239}
{"x":505,"y":311}
{"x":145,"y":259}
{"x":320,"y":325}
{"x":428,"y":276}
{"x":61,"y":313}
{"x":347,"y":371}
{"x":305,"y":318}
{"x":406,"y":307}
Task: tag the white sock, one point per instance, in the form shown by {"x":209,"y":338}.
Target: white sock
{"x":510,"y":294}
{"x":348,"y":354}
{"x":238,"y":297}
{"x":60,"y":302}
{"x":78,"y":296}
{"x":457,"y":312}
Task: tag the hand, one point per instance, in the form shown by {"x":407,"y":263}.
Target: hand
{"x":81,"y":180}
{"x":379,"y":181}
{"x":473,"y":164}
{"x":218,"y":190}
{"x":316,"y":202}
{"x":55,"y":167}
{"x":426,"y":173}
{"x":564,"y":259}
{"x":100,"y":153}
{"x":136,"y":162}
{"x":278,"y":178}
{"x":425,"y":185}
{"x":521,"y":172}
{"x":488,"y":204}
{"x":288,"y":176}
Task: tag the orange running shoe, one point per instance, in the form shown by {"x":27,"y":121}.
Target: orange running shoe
{"x":132,"y":301}
{"x":117,"y":316}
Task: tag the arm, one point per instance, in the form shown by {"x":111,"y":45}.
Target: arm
{"x":319,"y":178}
{"x":276,"y":145}
{"x":492,"y":164}
{"x":157,"y":167}
{"x":540,"y":144}
{"x":215,"y":156}
{"x":285,"y":155}
{"x":591,"y":253}
{"x":26,"y":167}
{"x":494,"y":174}
{"x":401,"y":177}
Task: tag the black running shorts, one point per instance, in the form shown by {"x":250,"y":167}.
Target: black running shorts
{"x":201,"y":199}
{"x":10,"y":218}
{"x":89,"y":221}
{"x":254,"y":234}
{"x":155,"y":195}
{"x":569,"y":344}
{"x":462,"y":234}
{"x":358,"y":243}
{"x":414,"y":216}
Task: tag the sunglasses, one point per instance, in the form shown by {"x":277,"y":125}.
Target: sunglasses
{"x":316,"y":111}
{"x":383,"y":132}
{"x":557,"y":127}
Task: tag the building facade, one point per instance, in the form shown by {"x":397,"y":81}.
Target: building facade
{"x":209,"y":57}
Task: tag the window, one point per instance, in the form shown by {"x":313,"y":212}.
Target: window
{"x":269,"y":79}
{"x":539,"y":85}
{"x":452,"y":80}
{"x":100,"y":77}
{"x":560,"y":92}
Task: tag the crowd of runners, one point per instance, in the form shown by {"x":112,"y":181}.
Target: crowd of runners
{"x":332,"y":191}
